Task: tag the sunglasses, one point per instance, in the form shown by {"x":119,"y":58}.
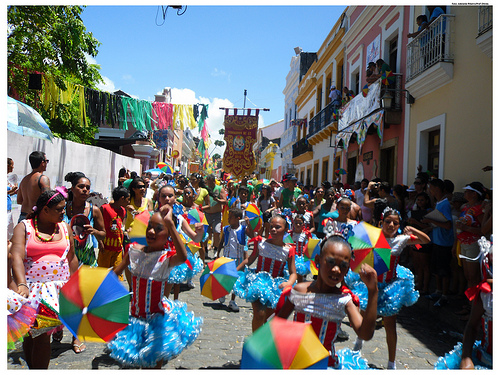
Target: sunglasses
{"x":46,"y":160}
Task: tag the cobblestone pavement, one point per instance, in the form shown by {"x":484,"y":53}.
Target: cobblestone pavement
{"x":424,"y":334}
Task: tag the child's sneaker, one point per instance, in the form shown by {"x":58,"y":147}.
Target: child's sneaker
{"x":190,"y":284}
{"x":233,"y":306}
{"x":222,"y":299}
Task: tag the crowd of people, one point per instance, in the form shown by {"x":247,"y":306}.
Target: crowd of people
{"x":433,"y":231}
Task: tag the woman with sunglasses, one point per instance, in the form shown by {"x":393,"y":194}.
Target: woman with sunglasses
{"x":43,"y":259}
{"x":396,"y":287}
{"x":77,"y":205}
{"x":138,"y":201}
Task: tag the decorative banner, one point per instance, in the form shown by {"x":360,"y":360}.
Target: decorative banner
{"x":240,"y":134}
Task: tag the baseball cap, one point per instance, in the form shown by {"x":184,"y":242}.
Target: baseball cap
{"x":288,"y":177}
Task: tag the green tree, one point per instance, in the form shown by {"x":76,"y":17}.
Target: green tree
{"x":52,"y":40}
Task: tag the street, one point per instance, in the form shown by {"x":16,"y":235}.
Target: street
{"x":424,"y":334}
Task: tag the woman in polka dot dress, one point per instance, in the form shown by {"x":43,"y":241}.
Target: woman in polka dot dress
{"x":43,"y":259}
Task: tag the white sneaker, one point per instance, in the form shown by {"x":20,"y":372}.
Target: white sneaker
{"x":190,"y":284}
{"x":222,"y":299}
{"x":233,"y":306}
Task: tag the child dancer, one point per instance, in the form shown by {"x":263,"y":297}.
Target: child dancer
{"x":472,"y":354}
{"x":234,"y":244}
{"x":263,"y":286}
{"x":396,"y":286}
{"x":301,"y":205}
{"x":324,"y":303}
{"x":182,"y":273}
{"x":159,"y":329}
{"x":300,"y":235}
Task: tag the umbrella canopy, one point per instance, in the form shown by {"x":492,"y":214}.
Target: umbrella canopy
{"x":138,"y":227}
{"x":93,"y":304}
{"x":371,"y":247}
{"x":24,"y":120}
{"x":287,"y":238}
{"x":195,"y":215}
{"x":252,"y":211}
{"x":387,"y":77}
{"x":340,"y":171}
{"x":281,"y":344}
{"x":312,"y":248}
{"x":218,"y":278}
{"x":365,"y":91}
{"x":166,"y":168}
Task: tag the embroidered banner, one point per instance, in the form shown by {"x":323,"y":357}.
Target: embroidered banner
{"x":240,"y":134}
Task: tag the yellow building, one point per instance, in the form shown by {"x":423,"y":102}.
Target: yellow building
{"x":450,"y":75}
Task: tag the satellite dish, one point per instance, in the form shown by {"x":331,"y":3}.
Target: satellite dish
{"x":360,"y":172}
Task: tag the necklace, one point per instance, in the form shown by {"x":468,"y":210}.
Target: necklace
{"x":38,"y":234}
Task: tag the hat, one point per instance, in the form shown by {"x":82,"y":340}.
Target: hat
{"x":288,"y":177}
{"x":411,"y":188}
{"x":477,"y":187}
{"x":333,"y":87}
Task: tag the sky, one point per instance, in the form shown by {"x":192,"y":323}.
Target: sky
{"x":209,"y":55}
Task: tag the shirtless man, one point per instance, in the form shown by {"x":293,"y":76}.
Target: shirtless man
{"x":33,"y":184}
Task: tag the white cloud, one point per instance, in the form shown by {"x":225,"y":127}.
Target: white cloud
{"x":107,"y":86}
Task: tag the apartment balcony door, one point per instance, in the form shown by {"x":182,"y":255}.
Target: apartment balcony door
{"x":388,"y":165}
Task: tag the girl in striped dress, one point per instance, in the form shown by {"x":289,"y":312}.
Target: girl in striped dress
{"x":159,"y":329}
{"x":396,"y":286}
{"x":325,"y":302}
{"x":263,"y":285}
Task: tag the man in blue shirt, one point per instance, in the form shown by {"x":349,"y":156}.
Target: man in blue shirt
{"x":443,"y":239}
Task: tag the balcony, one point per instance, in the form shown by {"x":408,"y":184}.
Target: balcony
{"x":302,"y":151}
{"x":430,"y":57}
{"x":322,"y":121}
{"x":484,"y":39}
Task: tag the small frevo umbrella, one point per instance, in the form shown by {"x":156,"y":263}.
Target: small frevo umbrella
{"x":281,"y":344}
{"x":166,"y":168}
{"x":218,"y":278}
{"x":254,"y":216}
{"x":93,"y":304}
{"x":139,"y":227}
{"x":369,"y":246}
{"x":23,"y":119}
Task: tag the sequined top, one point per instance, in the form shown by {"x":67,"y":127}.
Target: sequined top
{"x":325,"y":313}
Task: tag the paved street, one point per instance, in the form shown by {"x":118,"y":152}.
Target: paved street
{"x":424,"y":334}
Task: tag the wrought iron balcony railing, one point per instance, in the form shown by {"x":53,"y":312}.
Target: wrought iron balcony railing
{"x":431,"y":46}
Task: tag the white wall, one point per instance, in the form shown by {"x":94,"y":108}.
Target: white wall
{"x":101,"y":166}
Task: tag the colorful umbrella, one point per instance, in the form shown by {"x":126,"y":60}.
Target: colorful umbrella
{"x":139,"y":227}
{"x":24,"y":120}
{"x":167,"y":168}
{"x":281,"y":344}
{"x":255,"y":217}
{"x":93,"y":304}
{"x":287,"y":238}
{"x":312,"y":249}
{"x":340,"y":171}
{"x":371,"y":247}
{"x":195,"y":215}
{"x":365,"y":90}
{"x":193,"y":246}
{"x":218,"y":278}
{"x":387,"y":77}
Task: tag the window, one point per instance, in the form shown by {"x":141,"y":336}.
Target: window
{"x":430,"y":144}
{"x":324,"y":171}
{"x":433,"y":152}
{"x":393,"y":54}
{"x":356,"y":80}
